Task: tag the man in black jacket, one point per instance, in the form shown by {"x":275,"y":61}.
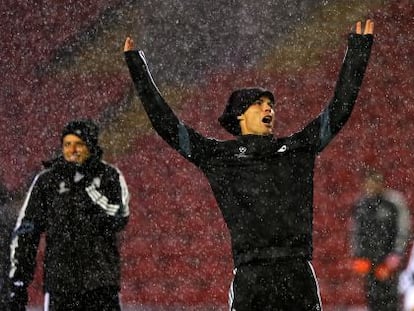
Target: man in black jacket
{"x":381,"y":230}
{"x":263,"y":185}
{"x":80,"y":203}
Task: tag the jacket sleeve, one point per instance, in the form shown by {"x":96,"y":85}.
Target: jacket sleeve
{"x":160,"y":114}
{"x":26,"y":235}
{"x":182,"y":138}
{"x":324,"y":128}
{"x":355,"y":232}
{"x":402,"y":221}
{"x":111,"y":197}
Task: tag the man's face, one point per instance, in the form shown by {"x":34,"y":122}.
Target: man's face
{"x":74,"y":149}
{"x":373,"y":186}
{"x":258,"y":119}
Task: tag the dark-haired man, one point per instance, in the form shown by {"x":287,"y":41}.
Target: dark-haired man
{"x":262,"y":184}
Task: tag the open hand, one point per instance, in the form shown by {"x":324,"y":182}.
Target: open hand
{"x":369,"y":27}
{"x":129,"y":44}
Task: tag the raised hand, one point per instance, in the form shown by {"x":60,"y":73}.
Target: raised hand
{"x":129,"y":44}
{"x":369,"y":27}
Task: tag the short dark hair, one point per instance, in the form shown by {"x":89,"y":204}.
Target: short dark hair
{"x":237,"y":104}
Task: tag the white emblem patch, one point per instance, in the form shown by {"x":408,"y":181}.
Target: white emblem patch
{"x":97,"y":182}
{"x":62,"y":187}
{"x":242,"y":152}
{"x":282,"y":149}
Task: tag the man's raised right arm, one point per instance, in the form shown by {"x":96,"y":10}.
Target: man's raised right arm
{"x":162,"y":118}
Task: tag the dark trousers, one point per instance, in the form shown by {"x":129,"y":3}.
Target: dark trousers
{"x":284,"y":285}
{"x":382,"y":295}
{"x":100,"y":299}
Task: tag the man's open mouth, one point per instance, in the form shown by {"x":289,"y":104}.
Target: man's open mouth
{"x":267,"y":120}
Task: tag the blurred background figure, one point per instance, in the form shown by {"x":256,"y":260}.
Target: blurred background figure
{"x":380,"y":233}
{"x":406,"y":284}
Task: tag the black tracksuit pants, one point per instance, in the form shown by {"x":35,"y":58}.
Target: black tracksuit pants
{"x":382,"y":295}
{"x":100,"y":299}
{"x":282,"y":285}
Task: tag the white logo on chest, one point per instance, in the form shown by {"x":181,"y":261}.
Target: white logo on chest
{"x":78,"y":177}
{"x":282,"y":149}
{"x":242,"y":152}
{"x":62,"y":187}
{"x":97,"y":182}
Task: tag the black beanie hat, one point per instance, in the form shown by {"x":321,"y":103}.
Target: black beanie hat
{"x":237,"y":104}
{"x":86,"y":130}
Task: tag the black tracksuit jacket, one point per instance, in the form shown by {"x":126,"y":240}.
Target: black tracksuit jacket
{"x":80,"y":229}
{"x":262,"y":184}
{"x":381,"y":226}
